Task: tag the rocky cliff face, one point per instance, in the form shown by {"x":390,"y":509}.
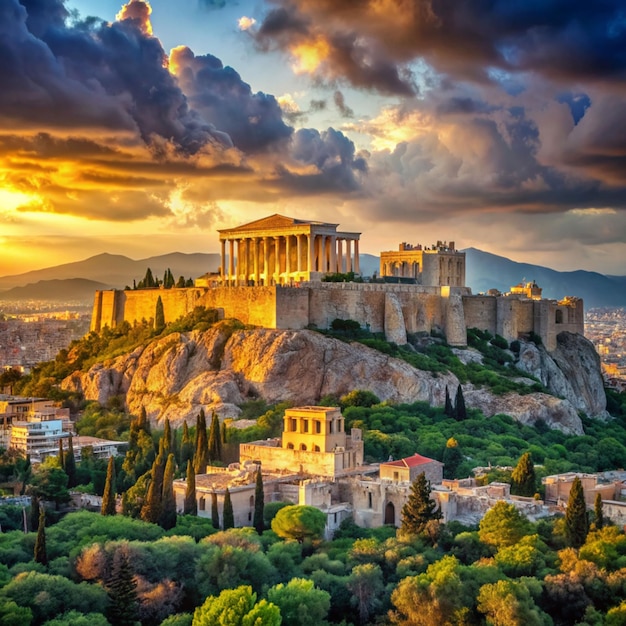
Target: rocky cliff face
{"x":572,"y":372}
{"x":219,"y":369}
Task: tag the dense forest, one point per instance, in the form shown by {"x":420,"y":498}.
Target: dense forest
{"x":148,"y":565}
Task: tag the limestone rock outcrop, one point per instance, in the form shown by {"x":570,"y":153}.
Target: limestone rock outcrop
{"x":572,"y":371}
{"x":527,"y":409}
{"x":216,"y":370}
{"x":221,"y":368}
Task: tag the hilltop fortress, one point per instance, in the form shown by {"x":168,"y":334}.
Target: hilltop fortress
{"x":274,"y":280}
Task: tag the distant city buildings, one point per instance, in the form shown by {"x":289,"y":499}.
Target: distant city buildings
{"x":606,"y":328}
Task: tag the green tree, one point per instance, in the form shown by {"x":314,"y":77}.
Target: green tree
{"x":167,"y":517}
{"x":452,"y":458}
{"x":598,"y":512}
{"x":151,"y":509}
{"x":299,"y":522}
{"x":191,"y":504}
{"x":367,"y":588}
{"x":509,"y":603}
{"x":141,"y":453}
{"x":168,"y":442}
{"x":576,"y":520}
{"x":122,"y":588}
{"x":41,"y":554}
{"x":300,"y":602}
{"x":186,"y":447}
{"x":524,"y":481}
{"x":460,"y":412}
{"x":236,"y":607}
{"x":503,"y":525}
{"x":200,"y":459}
{"x":159,"y":315}
{"x":61,"y":454}
{"x":215,"y":515}
{"x":359,"y":397}
{"x":228,"y":514}
{"x":70,"y":464}
{"x":108,"y":499}
{"x":50,"y":482}
{"x":215,"y":443}
{"x":13,"y":615}
{"x":259,"y":503}
{"x":420,"y":508}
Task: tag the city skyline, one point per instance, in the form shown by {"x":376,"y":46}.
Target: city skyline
{"x":142,"y":130}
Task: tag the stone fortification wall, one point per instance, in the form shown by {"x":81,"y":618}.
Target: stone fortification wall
{"x":292,"y":307}
{"x":481,"y":312}
{"x":256,"y":306}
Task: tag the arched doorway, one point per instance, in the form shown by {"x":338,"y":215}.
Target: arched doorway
{"x":390,"y":513}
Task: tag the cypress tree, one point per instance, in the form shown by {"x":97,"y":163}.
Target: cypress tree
{"x":202,"y":447}
{"x":448,"y":408}
{"x":159,"y":315}
{"x":598,"y":512}
{"x":186,"y":446}
{"x":452,"y":458}
{"x":151,"y":509}
{"x":191,"y":504}
{"x":108,"y":497}
{"x":215,"y":514}
{"x":576,"y":521}
{"x":70,"y":464}
{"x":33,"y":521}
{"x":122,"y":589}
{"x":223,"y":429}
{"x":41,"y":555}
{"x":259,"y":503}
{"x":215,"y":445}
{"x":420,"y":508}
{"x":229,"y":516}
{"x":167,"y":518}
{"x":524,"y":481}
{"x":460,"y":412}
{"x":167,"y":437}
{"x":61,"y":455}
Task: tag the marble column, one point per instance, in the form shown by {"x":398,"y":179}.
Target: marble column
{"x":323,"y":264}
{"x":277,"y":260}
{"x":333,"y":253}
{"x":357,"y":265}
{"x":255,"y":252}
{"x":288,"y":259}
{"x":299,"y":253}
{"x":238,"y":269}
{"x":266,"y":260}
{"x":348,"y":256}
{"x":340,"y":255}
{"x":311,"y":237}
{"x":231,"y":261}
{"x":223,"y":261}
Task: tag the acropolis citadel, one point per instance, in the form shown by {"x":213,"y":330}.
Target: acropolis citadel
{"x":273,"y":275}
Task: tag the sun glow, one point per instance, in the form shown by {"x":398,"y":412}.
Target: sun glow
{"x":11,"y":200}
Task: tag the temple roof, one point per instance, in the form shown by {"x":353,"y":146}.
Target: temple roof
{"x":274,"y":221}
{"x":411,"y":461}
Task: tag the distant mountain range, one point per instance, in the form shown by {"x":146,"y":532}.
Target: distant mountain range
{"x":78,"y":281}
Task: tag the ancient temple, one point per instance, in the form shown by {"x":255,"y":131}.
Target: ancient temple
{"x":279,"y":250}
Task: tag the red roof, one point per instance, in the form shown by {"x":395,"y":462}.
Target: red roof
{"x":411,"y":461}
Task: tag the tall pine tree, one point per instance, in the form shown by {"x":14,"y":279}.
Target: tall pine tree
{"x":420,"y":508}
{"x":598,"y":512}
{"x":191,"y":504}
{"x":448,"y":408}
{"x":200,"y":460}
{"x":167,"y":518}
{"x":151,"y":509}
{"x":524,"y":481}
{"x":576,"y":521}
{"x":159,"y":315}
{"x":215,"y":443}
{"x":229,"y":515}
{"x":460,"y":412}
{"x":215,"y":514}
{"x":122,"y":589}
{"x":108,"y":497}
{"x":186,"y":447}
{"x":167,"y":437}
{"x":259,"y":503}
{"x":61,"y":454}
{"x":41,"y":554}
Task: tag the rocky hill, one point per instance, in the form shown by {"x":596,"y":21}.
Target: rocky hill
{"x":219,"y":369}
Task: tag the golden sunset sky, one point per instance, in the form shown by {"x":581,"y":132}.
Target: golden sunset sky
{"x":141,"y":129}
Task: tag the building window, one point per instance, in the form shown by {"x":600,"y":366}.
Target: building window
{"x":290,"y":446}
{"x":396,"y":476}
{"x":250,"y":516}
{"x":202,"y":504}
{"x":302,"y":446}
{"x":316,"y":448}
{"x":293,"y":425}
{"x":305,"y":426}
{"x":559,"y":316}
{"x":330,"y":427}
{"x":318,"y":427}
{"x":369,"y":500}
{"x":251,"y":502}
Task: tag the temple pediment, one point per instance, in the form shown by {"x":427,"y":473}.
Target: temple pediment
{"x":272,"y":222}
